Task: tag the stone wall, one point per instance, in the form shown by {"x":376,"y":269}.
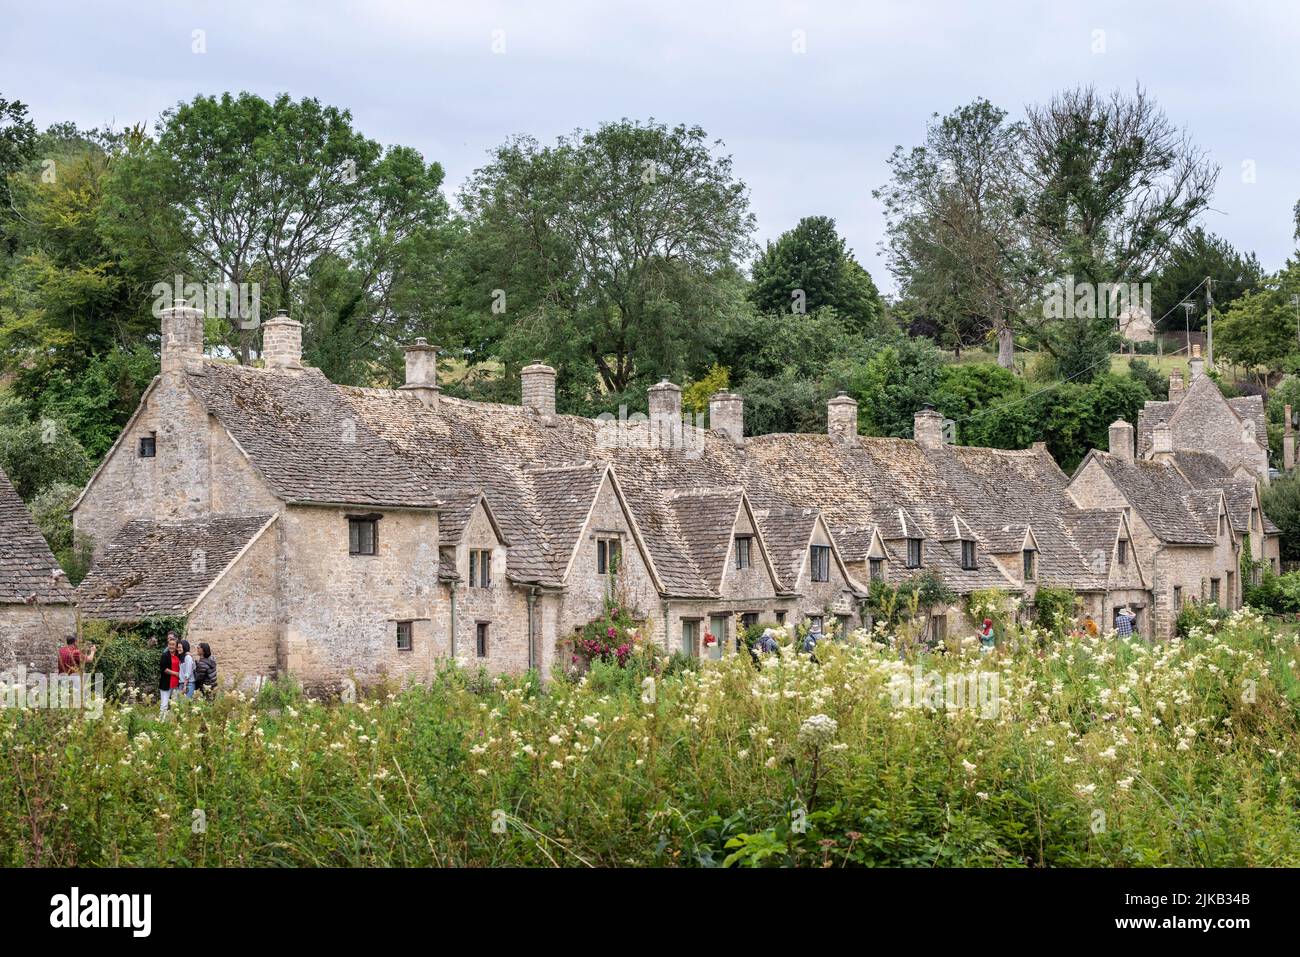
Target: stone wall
{"x":502,"y":607}
{"x":340,"y":611}
{"x":198,"y":470}
{"x":31,"y":635}
{"x":239,"y":617}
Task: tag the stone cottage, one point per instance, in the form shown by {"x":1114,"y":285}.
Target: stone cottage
{"x":326,"y":531}
{"x":36,"y":610}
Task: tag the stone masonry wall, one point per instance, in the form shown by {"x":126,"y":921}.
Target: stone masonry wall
{"x":31,"y":635}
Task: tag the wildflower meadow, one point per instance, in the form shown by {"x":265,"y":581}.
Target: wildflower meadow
{"x":1074,"y":752}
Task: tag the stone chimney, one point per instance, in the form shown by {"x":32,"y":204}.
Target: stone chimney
{"x":727,"y":414}
{"x":538,"y":387}
{"x":666,"y":404}
{"x":1177,"y":388}
{"x":1121,"y":440}
{"x":182,"y":336}
{"x":1162,"y":442}
{"x":422,"y":372}
{"x":1196,"y":364}
{"x":282,"y":342}
{"x":842,"y":418}
{"x":927,"y":428}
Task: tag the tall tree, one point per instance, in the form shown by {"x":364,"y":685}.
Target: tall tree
{"x":811,"y":266}
{"x":953,"y":210}
{"x":264,"y":191}
{"x":1195,"y":256}
{"x":17,"y":142}
{"x":1114,"y":185}
{"x":613,"y":253}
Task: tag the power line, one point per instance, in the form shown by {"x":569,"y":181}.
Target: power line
{"x":1053,"y":385}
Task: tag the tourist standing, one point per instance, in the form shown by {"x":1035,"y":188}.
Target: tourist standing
{"x":169,"y":673}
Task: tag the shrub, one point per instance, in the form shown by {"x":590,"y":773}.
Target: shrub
{"x":1203,"y":615}
{"x":1054,"y":609}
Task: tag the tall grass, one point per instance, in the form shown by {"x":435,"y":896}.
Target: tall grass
{"x":1101,"y":752}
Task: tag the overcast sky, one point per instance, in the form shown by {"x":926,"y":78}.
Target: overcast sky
{"x":809,"y":131}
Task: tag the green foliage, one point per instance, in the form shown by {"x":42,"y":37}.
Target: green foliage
{"x":1281,"y":502}
{"x":127,"y":655}
{"x":1054,"y":609}
{"x":612,"y":254}
{"x":1197,"y":255}
{"x":1205,"y":616}
{"x":715,"y":769}
{"x":810,"y":266}
{"x":52,"y":511}
{"x":36,"y":455}
{"x":695,"y":396}
{"x":900,"y":376}
{"x":1261,"y":327}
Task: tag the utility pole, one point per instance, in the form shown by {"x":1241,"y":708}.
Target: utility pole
{"x":1188,"y":306}
{"x":1209,"y":322}
{"x":1295,"y":301}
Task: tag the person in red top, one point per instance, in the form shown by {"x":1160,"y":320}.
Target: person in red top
{"x":71,"y":661}
{"x":169,"y":673}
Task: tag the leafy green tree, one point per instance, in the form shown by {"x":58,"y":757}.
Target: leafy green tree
{"x":1281,"y":502}
{"x":1075,"y":417}
{"x":612,"y":254}
{"x":1195,"y":256}
{"x":1113,"y":185}
{"x":695,"y":396}
{"x":956,"y":242}
{"x":36,"y":455}
{"x":1262,"y":328}
{"x":52,"y":511}
{"x":811,"y":266}
{"x":900,"y":377}
{"x":17,"y":146}
{"x":283,"y":193}
{"x":987,"y":403}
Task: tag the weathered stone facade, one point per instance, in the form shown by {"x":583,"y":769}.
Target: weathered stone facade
{"x":36,"y":612}
{"x":333,"y":533}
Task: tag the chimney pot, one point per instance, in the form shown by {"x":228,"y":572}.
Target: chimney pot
{"x":927,"y":428}
{"x":182,"y":336}
{"x":1121,"y":440}
{"x":727,"y":414}
{"x":282,"y":342}
{"x":537,"y":383}
{"x":422,"y":372}
{"x":842,"y":418}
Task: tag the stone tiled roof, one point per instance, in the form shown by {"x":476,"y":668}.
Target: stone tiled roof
{"x":540,"y":474}
{"x":1202,"y":469}
{"x":787,"y":532}
{"x":304,"y":438}
{"x":160,"y":568}
{"x":1151,"y":415}
{"x":1159,"y":493}
{"x":1250,"y":408}
{"x":28,"y":571}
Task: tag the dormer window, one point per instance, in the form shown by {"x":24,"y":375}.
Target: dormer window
{"x":1030,"y":557}
{"x":877,"y":566}
{"x":968,"y":555}
{"x":1121,"y":552}
{"x":743,"y":544}
{"x":913,"y":553}
{"x":149,"y":445}
{"x":480,"y":568}
{"x":821,"y":563}
{"x":608,"y":552}
{"x":1223,"y":524}
{"x":1254,"y":519}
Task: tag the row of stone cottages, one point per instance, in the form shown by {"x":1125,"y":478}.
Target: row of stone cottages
{"x":326,"y":531}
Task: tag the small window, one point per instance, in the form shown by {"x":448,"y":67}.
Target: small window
{"x":1030,"y":564}
{"x":481,"y":639}
{"x":780,"y":618}
{"x":968,"y":555}
{"x":1214,"y":590}
{"x":749,"y":619}
{"x":1121,"y":554}
{"x":913,"y":553}
{"x":1254,"y":519}
{"x":877,"y":569}
{"x":940,"y":627}
{"x":404,"y":636}
{"x":363,"y":536}
{"x":743,"y":543}
{"x":691,"y":636}
{"x":149,"y":445}
{"x":608,"y":552}
{"x":1223,"y":524}
{"x":1178,"y":598}
{"x":480,"y":568}
{"x":821,"y":563}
